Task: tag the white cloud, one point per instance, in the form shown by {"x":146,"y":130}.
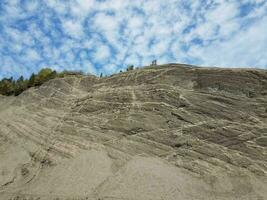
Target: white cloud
{"x":244,"y":49}
{"x":205,"y":31}
{"x":32,"y":5}
{"x":32,"y":55}
{"x":109,"y":68}
{"x":228,"y":28}
{"x":105,"y":22}
{"x":160,"y":47}
{"x":102,"y":53}
{"x":133,"y":59}
{"x":9,"y":66}
{"x":73,"y":28}
{"x":89,"y":67}
{"x":225,"y":11}
{"x":106,"y":35}
{"x":135,"y":22}
{"x":60,"y":7}
{"x":81,"y":8}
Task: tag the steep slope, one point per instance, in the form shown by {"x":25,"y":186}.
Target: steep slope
{"x":164,"y":132}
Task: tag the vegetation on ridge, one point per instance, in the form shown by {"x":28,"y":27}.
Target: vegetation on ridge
{"x":9,"y":86}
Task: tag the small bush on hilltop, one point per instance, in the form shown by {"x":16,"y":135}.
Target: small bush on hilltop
{"x":130,"y":68}
{"x":68,"y":73}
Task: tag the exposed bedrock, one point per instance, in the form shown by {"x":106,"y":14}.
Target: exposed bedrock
{"x":166,"y":132}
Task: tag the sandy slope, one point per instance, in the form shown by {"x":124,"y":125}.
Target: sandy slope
{"x":165,"y":132}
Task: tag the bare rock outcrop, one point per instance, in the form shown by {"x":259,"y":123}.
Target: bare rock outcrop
{"x":164,"y":132}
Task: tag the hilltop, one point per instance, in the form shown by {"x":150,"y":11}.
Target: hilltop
{"x":167,"y":132}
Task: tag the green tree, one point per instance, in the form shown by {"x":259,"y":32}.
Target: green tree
{"x":50,"y":76}
{"x":45,"y":73}
{"x":31,"y":82}
{"x":43,"y":76}
{"x":7,"y":86}
{"x":20,"y":86}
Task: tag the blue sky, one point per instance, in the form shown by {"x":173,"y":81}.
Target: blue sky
{"x":106,"y":35}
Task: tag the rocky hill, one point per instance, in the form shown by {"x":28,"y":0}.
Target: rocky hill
{"x":168,"y":132}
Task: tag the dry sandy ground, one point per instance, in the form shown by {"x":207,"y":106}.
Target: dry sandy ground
{"x":170,"y":132}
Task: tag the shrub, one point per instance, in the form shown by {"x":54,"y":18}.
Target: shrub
{"x":7,"y":86}
{"x":130,"y":67}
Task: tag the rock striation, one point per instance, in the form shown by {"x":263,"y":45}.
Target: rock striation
{"x":164,"y":132}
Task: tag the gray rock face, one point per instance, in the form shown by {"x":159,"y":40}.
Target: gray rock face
{"x":166,"y":132}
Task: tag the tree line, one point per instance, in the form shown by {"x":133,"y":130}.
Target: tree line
{"x":9,"y":86}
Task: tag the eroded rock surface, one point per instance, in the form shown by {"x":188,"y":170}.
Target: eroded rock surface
{"x":166,"y":132}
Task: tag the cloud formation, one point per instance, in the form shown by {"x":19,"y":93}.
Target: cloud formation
{"x":105,"y":36}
